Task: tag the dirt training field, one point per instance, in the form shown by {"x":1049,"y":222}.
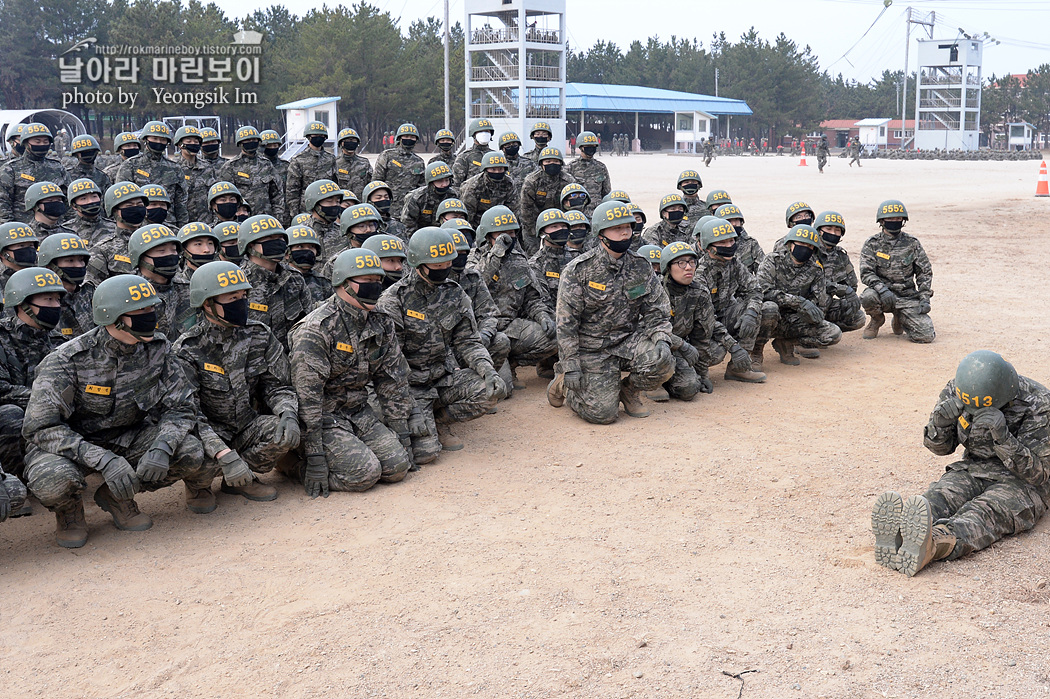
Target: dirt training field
{"x":649,"y":558}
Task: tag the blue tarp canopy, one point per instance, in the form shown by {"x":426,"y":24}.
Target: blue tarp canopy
{"x":592,"y":97}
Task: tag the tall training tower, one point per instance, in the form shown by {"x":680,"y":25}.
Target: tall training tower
{"x":515,"y":66}
{"x":948,"y":99}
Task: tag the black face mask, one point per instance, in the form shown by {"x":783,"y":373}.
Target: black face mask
{"x":210,"y":148}
{"x":47,"y":317}
{"x":250,"y":147}
{"x":274,"y":249}
{"x":617,"y":245}
{"x":589,"y":150}
{"x":156,"y":147}
{"x":38,"y":151}
{"x":801,"y":252}
{"x":191,"y":148}
{"x":133,"y":215}
{"x":24,"y":256}
{"x":156,"y":215}
{"x":87,"y":158}
{"x":690,"y":189}
{"x":235,"y":312}
{"x":739,"y":229}
{"x":558,"y":238}
{"x":675,"y":216}
{"x":893,"y":227}
{"x":227,"y":210}
{"x":541,"y":141}
{"x":304,"y":258}
{"x":576,"y":202}
{"x":271,"y":153}
{"x":360,"y":238}
{"x":142,"y":325}
{"x":240,"y":218}
{"x":552,"y":169}
{"x":435,"y":276}
{"x":318,"y":141}
{"x":442,"y":190}
{"x":495,"y":176}
{"x":199,"y":259}
{"x":578,"y":234}
{"x":408,"y":143}
{"x":511,"y":151}
{"x":351,"y":147}
{"x":331,"y":212}
{"x":129,"y":153}
{"x":831,"y":238}
{"x":392,"y":278}
{"x":726,"y":251}
{"x":803,"y":222}
{"x":73,"y":275}
{"x":460,"y":263}
{"x":637,"y":227}
{"x":19,"y":148}
{"x":55,"y":209}
{"x":445,"y":147}
{"x":232,"y":253}
{"x":90,"y":210}
{"x":165,"y":265}
{"x":383,"y":206}
{"x":367,"y":292}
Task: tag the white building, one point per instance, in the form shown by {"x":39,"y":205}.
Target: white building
{"x":948,"y":99}
{"x":300,"y":113}
{"x":874,"y":133}
{"x":1020,"y":135}
{"x":691,"y":129}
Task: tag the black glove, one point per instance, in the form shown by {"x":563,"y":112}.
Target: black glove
{"x":316,"y":477}
{"x":549,"y":328}
{"x":5,"y":502}
{"x":842,"y":291}
{"x":119,"y":475}
{"x":494,"y":385}
{"x":287,"y":433}
{"x":689,"y":353}
{"x":705,"y":384}
{"x":749,"y":323}
{"x":810,"y":311}
{"x":888,"y":299}
{"x":573,"y":381}
{"x":504,"y":242}
{"x":994,"y":421}
{"x":417,"y":425}
{"x":946,"y":412}
{"x":153,"y":465}
{"x":740,"y":359}
{"x":924,"y":305}
{"x":234,"y":471}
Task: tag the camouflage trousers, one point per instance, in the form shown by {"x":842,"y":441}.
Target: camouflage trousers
{"x":793,"y":326}
{"x":846,"y":313}
{"x":58,"y":482}
{"x":461,"y":397}
{"x":732,"y":314}
{"x":981,"y":511}
{"x":360,"y":451}
{"x":685,"y":383}
{"x":499,"y":349}
{"x":12,"y":446}
{"x":255,"y":444}
{"x":16,"y":492}
{"x":598,"y":399}
{"x":528,"y":343}
{"x":917,"y":326}
{"x":822,"y":160}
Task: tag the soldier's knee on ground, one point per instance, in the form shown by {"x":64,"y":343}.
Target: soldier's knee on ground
{"x":598,"y":401}
{"x":869,"y":301}
{"x":11,"y":443}
{"x":16,"y":492}
{"x":426,"y":449}
{"x":352,"y":466}
{"x":770,"y":319}
{"x":830,"y":334}
{"x":919,"y":327}
{"x":54,"y":480}
{"x":684,"y":385}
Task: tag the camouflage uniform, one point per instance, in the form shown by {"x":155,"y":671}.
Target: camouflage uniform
{"x":43,"y":230}
{"x":111,"y":170}
{"x":594,"y":177}
{"x":612,"y":315}
{"x":695,"y":208}
{"x":693,"y":321}
{"x":241,"y":385}
{"x":92,"y":230}
{"x":709,"y":152}
{"x":185,"y":315}
{"x":155,"y":168}
{"x":539,"y":192}
{"x":19,"y":174}
{"x":280,"y":168}
{"x":258,"y":183}
{"x":333,"y":241}
{"x":338,"y":351}
{"x":109,"y":255}
{"x":899,"y":264}
{"x":520,"y":167}
{"x":822,"y":155}
{"x":664,"y":233}
{"x":72,"y":422}
{"x":278,"y":298}
{"x":437,"y":346}
{"x":22,"y":348}
{"x":749,"y":251}
{"x":421,"y":206}
{"x":485,"y":314}
{"x":173,"y":309}
{"x":547,"y":264}
{"x":198,"y":176}
{"x":76,"y":312}
{"x":16,"y":491}
{"x":468,"y":163}
{"x":785,"y":285}
{"x":733,"y":290}
{"x":403,"y":171}
{"x":998,"y":488}
{"x":353,"y":172}
{"x":303,"y":170}
{"x":392,"y":226}
{"x":844,"y":304}
{"x":481,"y":193}
{"x":78,"y":170}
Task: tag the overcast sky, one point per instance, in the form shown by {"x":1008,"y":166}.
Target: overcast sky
{"x":831,"y":27}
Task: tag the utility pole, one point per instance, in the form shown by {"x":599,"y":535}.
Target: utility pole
{"x":927,"y":22}
{"x":716,"y":82}
{"x":447,"y":107}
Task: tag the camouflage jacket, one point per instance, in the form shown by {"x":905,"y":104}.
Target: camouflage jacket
{"x":547,"y":264}
{"x":403,"y":171}
{"x":234,"y":375}
{"x":520,"y":168}
{"x":838,"y":271}
{"x":258,"y":183}
{"x":540,"y":192}
{"x":485,"y":312}
{"x":318,"y":286}
{"x":749,"y":252}
{"x":332,"y":241}
{"x":280,"y":168}
{"x":111,"y":169}
{"x":94,"y":393}
{"x":76,"y":312}
{"x":394,"y":227}
{"x":92,"y":230}
{"x":109,"y":255}
{"x":468,"y":163}
{"x":693,"y":317}
{"x":43,"y":230}
{"x":278,"y":299}
{"x":480,"y":193}
{"x":727,"y":281}
{"x":78,"y":170}
{"x":197,"y":176}
{"x":22,"y":348}
{"x":303,"y":170}
{"x":899,"y":264}
{"x":173,"y":307}
{"x":185,"y":314}
{"x":421,"y":206}
{"x":664,"y":233}
{"x":150,"y":168}
{"x":338,"y":352}
{"x":787,"y":283}
{"x":594,"y":177}
{"x":19,"y":174}
{"x":604,"y":304}
{"x":436,"y":329}
{"x":513,"y":285}
{"x":353,"y":172}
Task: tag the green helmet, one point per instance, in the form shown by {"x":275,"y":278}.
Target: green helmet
{"x":438,"y":170}
{"x":492,"y":159}
{"x":220,"y":188}
{"x":61,"y":245}
{"x":125,"y":138}
{"x":28,"y":282}
{"x":318,"y":190}
{"x":269,"y":137}
{"x":461,"y":241}
{"x":891,"y":208}
{"x":302,"y":219}
{"x":496,"y":220}
{"x":609,"y":214}
{"x":82,"y":143}
{"x":121,"y":294}
{"x":431,"y":245}
{"x":14,"y":232}
{"x":803,"y":234}
{"x":227,"y":231}
{"x":635,"y":209}
{"x":355,"y":262}
{"x":154,"y":192}
{"x":540,"y":126}
{"x":386,"y":246}
{"x":245,"y":133}
{"x":148,"y":237}
{"x":451,"y":205}
{"x":479,"y":125}
{"x":830,"y":218}
{"x":549,"y":217}
{"x":406,"y":130}
{"x":315,"y":128}
{"x":670,"y":200}
{"x":215,"y":279}
{"x":650,"y":253}
{"x":617,"y":195}
{"x":573,"y":188}
{"x":587,"y":138}
{"x":38,"y":191}
{"x":196,"y":229}
{"x":303,"y":235}
{"x":350,"y":197}
{"x":15,"y":131}
{"x":185,"y":131}
{"x":985,"y":380}
{"x":209,"y":135}
{"x":78,"y":188}
{"x":256,"y":227}
{"x":345,"y":134}
{"x":155,"y":128}
{"x":686,"y":175}
{"x":794,"y":209}
{"x":713,"y":231}
{"x":119,"y":193}
{"x":717,"y":197}
{"x":551,"y":153}
{"x":508,"y":138}
{"x":443,"y":134}
{"x":373,"y":186}
{"x":728,"y":211}
{"x":575,"y":218}
{"x":358,"y":214}
{"x":672,"y":252}
{"x":34,"y":129}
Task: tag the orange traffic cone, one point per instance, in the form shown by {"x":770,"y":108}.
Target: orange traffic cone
{"x":1042,"y":188}
{"x":802,"y":163}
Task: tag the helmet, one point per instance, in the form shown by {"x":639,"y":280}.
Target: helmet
{"x":891,"y":207}
{"x":269,"y":137}
{"x":573,"y":188}
{"x":227,"y":231}
{"x":635,"y":209}
{"x":617,"y":195}
{"x":215,"y":279}
{"x":575,"y":218}
{"x":14,"y":131}
{"x":509,"y":137}
{"x":256,"y":227}
{"x":355,"y":262}
{"x":209,"y":135}
{"x":830,"y":218}
{"x":587,"y":138}
{"x":687,"y":175}
{"x":184,"y":131}
{"x":318,"y":190}
{"x":245,"y":133}
{"x":650,"y":253}
{"x":670,"y":200}
{"x":550,"y":152}
{"x":461,"y":241}
{"x":431,"y":245}
{"x":345,"y":134}
{"x":406,"y":130}
{"x":496,"y":220}
{"x":315,"y":128}
{"x":303,"y":235}
{"x":609,"y":214}
{"x":148,"y":237}
{"x":540,"y":126}
{"x":29,"y":281}
{"x":984,"y":380}
{"x":14,"y":232}
{"x":83,"y":143}
{"x":803,"y":234}
{"x":155,"y":128}
{"x":549,"y":217}
{"x":728,"y":211}
{"x":479,"y":125}
{"x":121,"y":294}
{"x":196,"y":229}
{"x":350,"y":197}
{"x":493,"y":158}
{"x":358,"y":214}
{"x":220,"y":188}
{"x":373,"y":186}
{"x":61,"y":245}
{"x":41,"y":190}
{"x":154,"y":192}
{"x":34,"y":129}
{"x":713,"y":231}
{"x":444,"y":133}
{"x":451,"y":204}
{"x":120,"y":193}
{"x":438,"y":170}
{"x":459,"y":225}
{"x":795,"y":208}
{"x":717,"y":196}
{"x":124,"y":138}
{"x":301,"y":219}
{"x":672,"y":252}
{"x":385,"y":246}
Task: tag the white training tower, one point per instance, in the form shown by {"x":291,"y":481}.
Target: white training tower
{"x":948,"y":99}
{"x":515,"y":66}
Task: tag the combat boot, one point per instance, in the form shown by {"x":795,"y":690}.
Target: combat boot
{"x":199,"y":499}
{"x":632,"y":402}
{"x":545,"y":367}
{"x":556,"y":391}
{"x":808,"y":352}
{"x":125,"y":513}
{"x":895,"y":324}
{"x":516,"y":383}
{"x":71,"y":526}
{"x":256,"y":491}
{"x":871,"y":331}
{"x":921,"y":542}
{"x":660,"y":395}
{"x":750,"y":376}
{"x":756,"y":353}
{"x":886,"y":526}
{"x":447,"y":438}
{"x":786,"y":350}
{"x":509,"y":379}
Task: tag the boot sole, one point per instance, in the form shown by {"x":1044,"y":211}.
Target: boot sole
{"x":916,"y":534}
{"x":886,"y":526}
{"x":454,"y":447}
{"x":254,"y":498}
{"x":202,"y":510}
{"x":555,"y":400}
{"x":104,"y":506}
{"x":809,"y":354}
{"x":72,"y":543}
{"x":741,"y":379}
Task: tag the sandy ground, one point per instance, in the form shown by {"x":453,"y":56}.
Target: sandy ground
{"x":650,"y":558}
